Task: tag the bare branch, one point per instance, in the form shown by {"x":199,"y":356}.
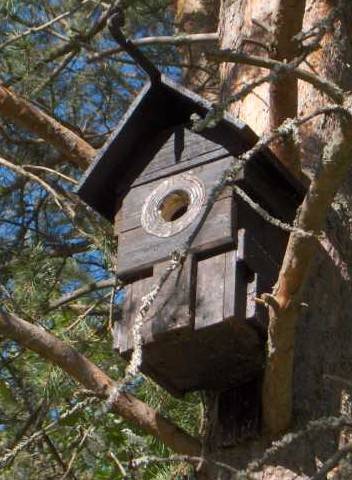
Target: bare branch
{"x":56,"y":196}
{"x":85,"y":435}
{"x":118,"y":464}
{"x":277,"y":391}
{"x":42,"y":27}
{"x":26,"y":441}
{"x":82,"y":39}
{"x":266,"y":216}
{"x":176,"y":40}
{"x":69,"y":297}
{"x":93,"y":378}
{"x":24,"y":114}
{"x":64,"y":200}
{"x":50,"y":170}
{"x":193,"y":460}
{"x":56,"y":72}
{"x":322,"y":84}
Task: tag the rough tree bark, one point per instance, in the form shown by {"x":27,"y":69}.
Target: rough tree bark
{"x":314,"y":339}
{"x":199,"y":16}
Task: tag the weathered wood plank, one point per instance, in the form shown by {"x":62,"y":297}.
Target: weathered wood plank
{"x":203,"y":159}
{"x":135,"y":199}
{"x":239,"y":413}
{"x":135,"y":291}
{"x":217,"y":357}
{"x":242,"y":275}
{"x":180,"y":146}
{"x":210,"y":290}
{"x":230,"y":284}
{"x":139,"y":250}
{"x":269,"y":189}
{"x":121,"y":327}
{"x":252,"y":293}
{"x":255,"y":255}
{"x":171,"y":310}
{"x":272,"y":239}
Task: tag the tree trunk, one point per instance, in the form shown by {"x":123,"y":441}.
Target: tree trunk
{"x":323,"y":343}
{"x":198,"y":16}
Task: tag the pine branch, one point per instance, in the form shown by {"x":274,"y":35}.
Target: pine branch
{"x":79,"y":292}
{"x":176,"y":40}
{"x":24,"y":114}
{"x":42,"y":27}
{"x":322,"y":84}
{"x":93,"y":378}
{"x":277,"y":390}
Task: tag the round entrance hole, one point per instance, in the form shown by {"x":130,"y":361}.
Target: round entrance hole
{"x":174,"y":205}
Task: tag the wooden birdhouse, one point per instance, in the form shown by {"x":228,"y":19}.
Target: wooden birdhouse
{"x":153,"y":178}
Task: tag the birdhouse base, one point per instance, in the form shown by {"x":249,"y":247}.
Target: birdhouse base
{"x":214,"y":358}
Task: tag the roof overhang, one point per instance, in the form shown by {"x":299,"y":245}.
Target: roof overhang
{"x":158,"y":106}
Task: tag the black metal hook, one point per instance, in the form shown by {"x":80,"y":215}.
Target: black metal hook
{"x":115,"y":22}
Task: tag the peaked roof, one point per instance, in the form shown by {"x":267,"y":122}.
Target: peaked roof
{"x":158,"y":106}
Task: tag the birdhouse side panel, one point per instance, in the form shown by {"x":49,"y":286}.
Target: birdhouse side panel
{"x":270,"y":239}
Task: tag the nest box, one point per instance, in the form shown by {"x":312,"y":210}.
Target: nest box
{"x":152,"y":179}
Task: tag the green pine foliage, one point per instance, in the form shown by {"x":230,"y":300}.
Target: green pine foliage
{"x":44,"y":254}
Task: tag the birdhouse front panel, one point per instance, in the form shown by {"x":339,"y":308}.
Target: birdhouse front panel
{"x":205,"y":329}
{"x":156,"y":217}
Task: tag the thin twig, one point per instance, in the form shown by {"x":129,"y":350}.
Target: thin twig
{"x":87,"y":432}
{"x":147,"y":460}
{"x":266,"y":215}
{"x":322,"y":84}
{"x":56,"y":72}
{"x":56,"y":196}
{"x":86,"y":312}
{"x":9,"y":456}
{"x":315,"y":427}
{"x":50,"y":170}
{"x":175,"y":40}
{"x":42,"y":27}
{"x":332,"y":462}
{"x":79,"y":292}
{"x":118,"y":464}
{"x":336,"y":378}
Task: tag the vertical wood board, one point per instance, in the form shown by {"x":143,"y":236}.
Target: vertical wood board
{"x":130,"y":308}
{"x":171,"y":311}
{"x":210,"y":290}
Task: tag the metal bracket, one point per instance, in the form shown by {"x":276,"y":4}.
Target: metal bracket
{"x":115,"y":22}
